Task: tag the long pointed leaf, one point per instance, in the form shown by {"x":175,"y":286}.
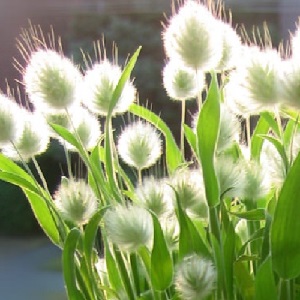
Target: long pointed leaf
{"x":69,"y":266}
{"x":285,"y":240}
{"x":161,"y":261}
{"x":207,"y":135}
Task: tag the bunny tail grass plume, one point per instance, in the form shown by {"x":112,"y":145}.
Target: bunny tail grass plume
{"x":189,"y":188}
{"x":182,"y":83}
{"x":76,"y":201}
{"x":290,"y":82}
{"x":257,"y":183}
{"x":232,"y":48}
{"x":254,"y":85}
{"x":155,"y":195}
{"x":33,"y":140}
{"x":195,"y":278}
{"x":86,"y":127}
{"x":231,"y":176}
{"x":192,"y":37}
{"x":129,"y":227}
{"x":98,"y":86}
{"x":11,"y":120}
{"x":51,"y":81}
{"x":139,"y":145}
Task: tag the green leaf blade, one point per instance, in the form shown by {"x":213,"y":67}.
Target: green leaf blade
{"x":161,"y":261}
{"x":285,"y":241}
{"x":207,"y":135}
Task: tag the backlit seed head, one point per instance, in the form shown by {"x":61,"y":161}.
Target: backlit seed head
{"x":170,"y":226}
{"x":129,"y":227}
{"x":241,"y":229}
{"x":232,"y":47}
{"x":11,"y":120}
{"x":254,"y":85}
{"x":290,"y":90}
{"x":195,"y":278}
{"x":51,"y":81}
{"x":32,"y":141}
{"x":86,"y":127}
{"x":155,"y":195}
{"x":182,"y":83}
{"x":139,"y":145}
{"x":76,"y":201}
{"x":98,"y":87}
{"x":231,"y":176}
{"x":273,"y":165}
{"x":257,"y":183}
{"x":192,"y":37}
{"x":189,"y":187}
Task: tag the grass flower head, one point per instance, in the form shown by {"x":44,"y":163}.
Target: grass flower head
{"x":182,"y":83}
{"x":76,"y":201}
{"x":192,"y":37}
{"x":52,"y":81}
{"x":155,"y":195}
{"x":139,"y":145}
{"x":98,"y":88}
{"x":189,"y":187}
{"x":11,"y":120}
{"x":128,"y":227}
{"x":195,"y":278}
{"x":254,"y":85}
{"x":33,"y":140}
{"x":86,"y":127}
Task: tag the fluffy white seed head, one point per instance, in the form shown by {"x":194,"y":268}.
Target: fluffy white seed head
{"x":98,"y":87}
{"x":86,"y":127}
{"x":273,"y":164}
{"x":139,"y":145}
{"x":290,"y":88}
{"x":195,"y":278}
{"x":257,"y":183}
{"x":51,"y":81}
{"x":182,"y":83}
{"x":189,"y":187}
{"x":32,"y":141}
{"x":232,"y":47}
{"x":192,"y":39}
{"x":11,"y":120}
{"x":129,"y":227}
{"x":254,"y":85}
{"x":231,"y":176}
{"x":241,"y":229}
{"x":170,"y":226}
{"x":155,"y":195}
{"x":76,"y":201}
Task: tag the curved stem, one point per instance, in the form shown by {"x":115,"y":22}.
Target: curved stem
{"x":183,"y":106}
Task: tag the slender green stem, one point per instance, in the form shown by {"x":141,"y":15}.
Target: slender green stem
{"x":253,"y":226}
{"x":285,"y":289}
{"x":214,"y":223}
{"x":140,"y":178}
{"x":183,"y":108}
{"x":68,"y":160}
{"x":40,"y":173}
